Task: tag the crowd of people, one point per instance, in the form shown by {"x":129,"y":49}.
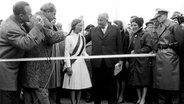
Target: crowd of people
{"x":141,"y":80}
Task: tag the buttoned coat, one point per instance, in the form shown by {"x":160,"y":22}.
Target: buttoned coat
{"x":109,"y":43}
{"x":140,"y":73}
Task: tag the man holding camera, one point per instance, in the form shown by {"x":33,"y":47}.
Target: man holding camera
{"x":14,"y":40}
{"x":179,"y":28}
{"x":36,"y":75}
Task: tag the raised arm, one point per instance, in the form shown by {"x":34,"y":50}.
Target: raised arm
{"x":25,"y":41}
{"x":53,"y":36}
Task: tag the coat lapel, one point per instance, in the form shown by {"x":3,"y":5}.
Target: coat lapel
{"x":161,"y":29}
{"x":21,"y":27}
{"x":107,"y":31}
{"x":100,"y":33}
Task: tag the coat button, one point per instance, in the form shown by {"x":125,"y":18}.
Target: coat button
{"x":36,"y":38}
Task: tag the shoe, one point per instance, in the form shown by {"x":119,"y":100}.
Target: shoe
{"x":88,"y":100}
{"x":122,"y":101}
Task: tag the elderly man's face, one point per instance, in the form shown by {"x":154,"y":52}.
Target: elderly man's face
{"x":102,"y":22}
{"x":51,"y":15}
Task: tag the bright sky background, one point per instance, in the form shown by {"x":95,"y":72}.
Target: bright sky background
{"x":67,"y":10}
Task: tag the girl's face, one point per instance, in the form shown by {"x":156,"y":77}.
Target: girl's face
{"x":134,"y":26}
{"x":78,"y":27}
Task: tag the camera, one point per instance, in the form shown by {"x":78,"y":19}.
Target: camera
{"x":180,"y":19}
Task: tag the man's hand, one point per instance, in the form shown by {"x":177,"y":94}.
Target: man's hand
{"x":37,"y":20}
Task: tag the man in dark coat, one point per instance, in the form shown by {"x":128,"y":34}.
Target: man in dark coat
{"x":179,"y":28}
{"x":14,"y":40}
{"x":36,"y":74}
{"x":106,"y":40}
{"x":166,"y":75}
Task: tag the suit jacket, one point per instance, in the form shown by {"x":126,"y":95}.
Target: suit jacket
{"x":109,"y":43}
{"x":13,"y":41}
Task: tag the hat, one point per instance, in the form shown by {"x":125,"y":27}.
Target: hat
{"x":176,"y":14}
{"x":89,"y":26}
{"x":138,"y":20}
{"x":149,"y":22}
{"x":160,"y":12}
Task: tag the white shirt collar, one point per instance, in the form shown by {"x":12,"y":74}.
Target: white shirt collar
{"x":104,"y":29}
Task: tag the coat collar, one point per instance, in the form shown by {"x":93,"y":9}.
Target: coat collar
{"x":139,"y":33}
{"x":102,"y":35}
{"x":12,"y":17}
{"x":47,"y":23}
{"x":162,"y":27}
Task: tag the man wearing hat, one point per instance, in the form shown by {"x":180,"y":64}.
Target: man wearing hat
{"x":180,"y":38}
{"x":175,"y":15}
{"x":166,"y":76}
{"x":149,"y":26}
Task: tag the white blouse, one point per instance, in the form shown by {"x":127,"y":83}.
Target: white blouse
{"x":70,"y":43}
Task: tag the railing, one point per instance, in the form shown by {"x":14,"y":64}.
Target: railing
{"x":84,"y":57}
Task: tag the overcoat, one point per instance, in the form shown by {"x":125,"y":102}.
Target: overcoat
{"x":37,"y":74}
{"x":140,"y":70}
{"x":166,"y":74}
{"x":14,"y":40}
{"x":108,"y":43}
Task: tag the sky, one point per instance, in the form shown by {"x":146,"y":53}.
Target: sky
{"x":67,"y":10}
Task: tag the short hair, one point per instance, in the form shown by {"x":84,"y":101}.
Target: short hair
{"x":48,"y":7}
{"x":119,"y":23}
{"x":104,"y":15}
{"x":89,"y":27}
{"x":19,"y":7}
{"x":133,"y":16}
{"x":139,"y":21}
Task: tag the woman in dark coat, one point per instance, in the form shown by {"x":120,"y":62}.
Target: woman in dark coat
{"x":140,"y":66}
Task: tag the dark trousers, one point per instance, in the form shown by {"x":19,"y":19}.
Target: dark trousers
{"x":35,"y":96}
{"x":9,"y":97}
{"x":104,"y":84}
{"x":52,"y":95}
{"x":168,"y":97}
{"x":182,"y":97}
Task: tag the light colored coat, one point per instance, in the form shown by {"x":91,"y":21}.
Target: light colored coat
{"x":13,"y":41}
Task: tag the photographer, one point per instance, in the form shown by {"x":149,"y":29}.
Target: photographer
{"x":179,"y":28}
{"x":36,"y":75}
